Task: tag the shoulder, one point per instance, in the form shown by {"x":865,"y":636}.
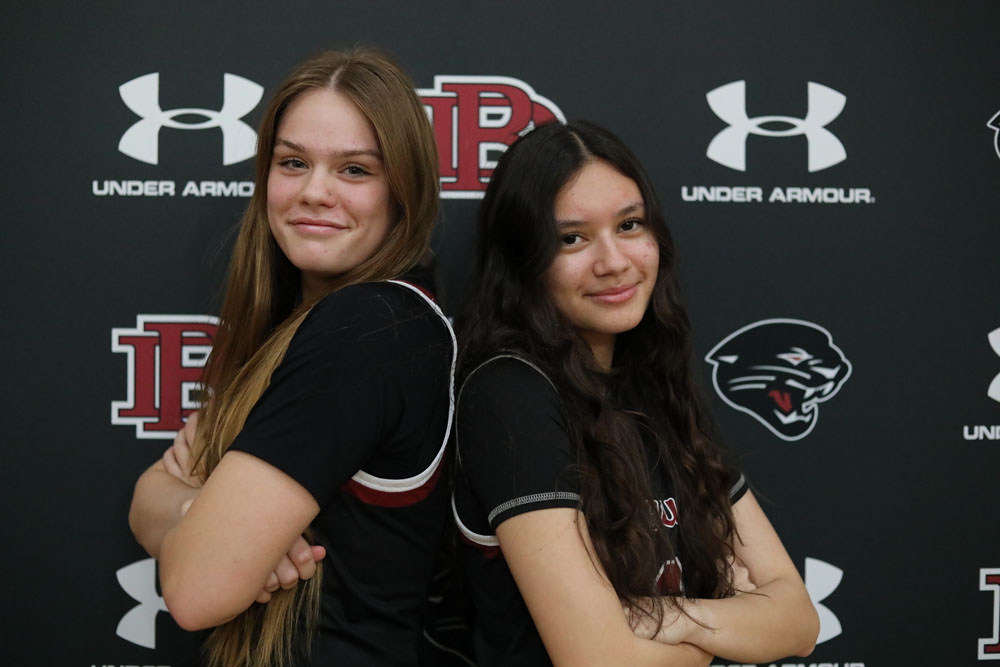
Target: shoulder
{"x":513,"y":446}
{"x":507,"y":376}
{"x":387,"y":311}
{"x":375,"y":299}
{"x":507,"y":402}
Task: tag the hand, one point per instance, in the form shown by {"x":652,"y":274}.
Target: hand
{"x":177,"y":458}
{"x":741,"y":576}
{"x":298,"y":563}
{"x":672,"y":630}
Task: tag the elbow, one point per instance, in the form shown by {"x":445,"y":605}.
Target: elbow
{"x":810,"y":631}
{"x":144,"y":539}
{"x":805,"y":652}
{"x":138,"y":523}
{"x":186,"y":607}
{"x":134,"y":523}
{"x":192,"y":605}
{"x":188,"y":618}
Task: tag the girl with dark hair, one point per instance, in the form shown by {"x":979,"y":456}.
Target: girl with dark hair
{"x":589,"y":479}
{"x":330,"y":385}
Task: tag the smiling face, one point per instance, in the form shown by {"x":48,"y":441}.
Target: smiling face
{"x":602,"y":278}
{"x":329,"y":204}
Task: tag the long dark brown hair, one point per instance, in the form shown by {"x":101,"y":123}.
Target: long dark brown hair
{"x":648,"y":396}
{"x":262,"y":309}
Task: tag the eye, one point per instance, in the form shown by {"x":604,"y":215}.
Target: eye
{"x":570,"y":239}
{"x":630,"y":225}
{"x":292,"y":163}
{"x":356,"y":170}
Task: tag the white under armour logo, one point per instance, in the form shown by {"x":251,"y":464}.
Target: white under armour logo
{"x":138,"y":625}
{"x":142,"y":96}
{"x":994,"y":124}
{"x":994,"y":390}
{"x":822,"y":579}
{"x":728,"y":147}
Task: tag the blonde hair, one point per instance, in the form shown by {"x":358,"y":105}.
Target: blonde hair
{"x":260,"y":311}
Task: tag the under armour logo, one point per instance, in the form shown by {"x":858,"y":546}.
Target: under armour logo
{"x":728,"y":147}
{"x":138,"y":625}
{"x":994,"y":390}
{"x":142,"y":96}
{"x":994,"y":125}
{"x":822,"y":579}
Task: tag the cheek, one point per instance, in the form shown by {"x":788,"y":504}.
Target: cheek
{"x":386,"y":205}
{"x":278,"y":193}
{"x":376,"y":206}
{"x":650,"y":257}
{"x":560,"y":279}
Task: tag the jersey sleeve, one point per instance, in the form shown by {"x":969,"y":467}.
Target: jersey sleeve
{"x":513,"y":445}
{"x":353,"y":368}
{"x":739,"y":488}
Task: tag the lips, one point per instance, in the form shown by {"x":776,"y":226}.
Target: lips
{"x":617,"y":294}
{"x":317,"y":225}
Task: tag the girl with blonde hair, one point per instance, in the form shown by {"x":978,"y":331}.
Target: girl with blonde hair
{"x":330,"y":385}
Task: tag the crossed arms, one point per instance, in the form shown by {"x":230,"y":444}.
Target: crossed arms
{"x":580,"y":619}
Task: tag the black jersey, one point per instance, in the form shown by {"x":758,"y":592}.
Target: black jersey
{"x":514,"y":456}
{"x":359,"y":413}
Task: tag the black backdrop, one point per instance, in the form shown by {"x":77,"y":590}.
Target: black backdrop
{"x":885,"y":487}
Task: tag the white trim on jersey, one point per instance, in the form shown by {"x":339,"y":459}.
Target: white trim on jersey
{"x":475,"y":538}
{"x":410,"y":483}
{"x":458,"y":453}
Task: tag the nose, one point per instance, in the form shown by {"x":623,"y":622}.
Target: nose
{"x":319,"y":189}
{"x":611,"y":257}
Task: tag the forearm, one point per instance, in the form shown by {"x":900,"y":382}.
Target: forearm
{"x":217,"y":559}
{"x":158,"y":503}
{"x":616,"y":648}
{"x":648,"y":652}
{"x":775,"y":621}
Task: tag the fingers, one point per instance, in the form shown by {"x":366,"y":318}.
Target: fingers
{"x":191,"y":425}
{"x":288,"y":574}
{"x":741,"y":576}
{"x":272,"y":584}
{"x":178,"y":468}
{"x":182,"y":450}
{"x":178,"y":458}
{"x":182,"y":446}
{"x":171,"y":464}
{"x":303,"y":556}
{"x":298,"y":564}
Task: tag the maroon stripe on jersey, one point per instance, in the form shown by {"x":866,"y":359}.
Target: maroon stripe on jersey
{"x":489,"y":552}
{"x":392,"y":498}
{"x":421,"y":289}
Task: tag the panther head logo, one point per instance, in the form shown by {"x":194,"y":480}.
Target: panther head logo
{"x":779,"y":371}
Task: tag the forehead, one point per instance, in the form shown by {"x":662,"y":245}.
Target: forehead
{"x":324,"y":119}
{"x":597,"y":191}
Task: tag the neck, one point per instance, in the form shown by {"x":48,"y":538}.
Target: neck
{"x":603,"y":348}
{"x":313,"y":288}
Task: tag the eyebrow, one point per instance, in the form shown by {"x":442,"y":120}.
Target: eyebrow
{"x":625,"y":210}
{"x":340,"y":154}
